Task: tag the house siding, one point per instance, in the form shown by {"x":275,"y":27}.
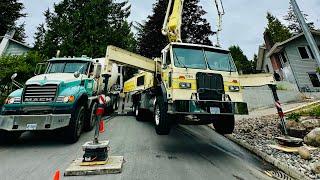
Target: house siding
{"x":299,"y":66}
{"x":16,"y":49}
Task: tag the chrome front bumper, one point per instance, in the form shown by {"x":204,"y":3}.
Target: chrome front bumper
{"x":34,"y":122}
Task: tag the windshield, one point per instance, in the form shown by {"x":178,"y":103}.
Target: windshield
{"x":199,"y":58}
{"x":220,"y":61}
{"x":189,"y":58}
{"x":67,"y":67}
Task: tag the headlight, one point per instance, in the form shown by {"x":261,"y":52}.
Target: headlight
{"x":65,"y":99}
{"x":184,"y":85}
{"x":13,"y":100}
{"x":234,"y":88}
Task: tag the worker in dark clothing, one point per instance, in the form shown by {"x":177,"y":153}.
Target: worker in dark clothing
{"x":276,"y":76}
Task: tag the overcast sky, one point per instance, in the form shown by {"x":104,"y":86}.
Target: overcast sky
{"x":243,"y":23}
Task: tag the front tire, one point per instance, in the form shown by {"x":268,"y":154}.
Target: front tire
{"x":224,"y":124}
{"x":89,"y":124}
{"x":161,"y":118}
{"x":74,"y":130}
{"x":9,"y":137}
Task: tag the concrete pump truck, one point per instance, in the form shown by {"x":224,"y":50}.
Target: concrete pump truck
{"x":189,"y":84}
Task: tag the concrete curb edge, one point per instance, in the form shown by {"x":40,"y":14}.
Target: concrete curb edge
{"x":301,"y":107}
{"x":282,"y":166}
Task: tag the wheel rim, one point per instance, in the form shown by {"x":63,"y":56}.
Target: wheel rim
{"x":157,"y":115}
{"x":93,"y":114}
{"x":80,"y":122}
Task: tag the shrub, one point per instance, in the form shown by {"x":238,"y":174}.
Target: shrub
{"x":24,"y":65}
{"x":315,"y":111}
{"x":294,"y":117}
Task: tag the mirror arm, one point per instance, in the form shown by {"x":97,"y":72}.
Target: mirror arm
{"x":17,"y":84}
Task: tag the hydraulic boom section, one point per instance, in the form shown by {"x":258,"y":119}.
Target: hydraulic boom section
{"x":172,"y":25}
{"x":172,"y":22}
{"x":221,"y":12}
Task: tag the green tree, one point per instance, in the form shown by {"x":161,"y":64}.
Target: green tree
{"x":85,"y":27}
{"x":10,"y":12}
{"x":24,"y":65}
{"x":243,"y":65}
{"x":276,"y":30}
{"x":254,"y":64}
{"x":293,"y":21}
{"x":195,"y":28}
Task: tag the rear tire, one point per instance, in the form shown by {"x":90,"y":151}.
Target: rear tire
{"x":161,"y":118}
{"x":116,"y":104}
{"x":224,"y":124}
{"x":75,"y":127}
{"x":137,"y":112}
{"x":90,"y":120}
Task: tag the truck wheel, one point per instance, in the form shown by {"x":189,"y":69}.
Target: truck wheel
{"x":90,"y":121}
{"x":224,"y":124}
{"x":116,"y":104}
{"x":8,"y":137}
{"x":161,"y":118}
{"x":76,"y":124}
{"x":137,"y":112}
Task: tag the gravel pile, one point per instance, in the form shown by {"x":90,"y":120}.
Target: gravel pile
{"x":260,"y":132}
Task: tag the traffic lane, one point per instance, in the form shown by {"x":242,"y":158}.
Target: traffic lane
{"x":38,"y":156}
{"x":189,"y":152}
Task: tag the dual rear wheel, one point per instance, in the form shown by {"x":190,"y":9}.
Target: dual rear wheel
{"x":160,"y":116}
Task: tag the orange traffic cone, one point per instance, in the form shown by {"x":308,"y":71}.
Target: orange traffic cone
{"x":101,"y":126}
{"x":56,"y":175}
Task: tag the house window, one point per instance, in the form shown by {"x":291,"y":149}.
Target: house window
{"x":314,"y":79}
{"x":303,"y":52}
{"x":283,"y":57}
{"x":140,"y":81}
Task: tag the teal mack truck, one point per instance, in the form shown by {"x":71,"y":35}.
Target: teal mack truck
{"x":63,"y":99}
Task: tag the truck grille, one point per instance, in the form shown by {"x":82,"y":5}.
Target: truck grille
{"x":210,"y":86}
{"x":38,"y":93}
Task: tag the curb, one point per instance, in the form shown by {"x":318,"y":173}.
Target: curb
{"x":301,"y":107}
{"x":282,"y":166}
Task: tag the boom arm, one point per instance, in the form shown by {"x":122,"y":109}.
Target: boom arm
{"x":172,"y":22}
{"x":172,"y":25}
{"x":126,"y":58}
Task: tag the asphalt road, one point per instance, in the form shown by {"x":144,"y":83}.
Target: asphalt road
{"x":189,"y":152}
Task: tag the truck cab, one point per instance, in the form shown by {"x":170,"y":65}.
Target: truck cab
{"x":63,"y":98}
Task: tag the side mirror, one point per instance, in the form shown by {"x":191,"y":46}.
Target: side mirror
{"x":14,"y":76}
{"x":14,"y":82}
{"x":97,"y":70}
{"x":76,"y":74}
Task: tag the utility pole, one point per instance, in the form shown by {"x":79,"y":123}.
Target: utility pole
{"x":307,"y":33}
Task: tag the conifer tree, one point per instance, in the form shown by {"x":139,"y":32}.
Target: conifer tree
{"x":85,"y":27}
{"x":195,"y":28}
{"x":293,"y":21}
{"x":276,"y":31}
{"x":10,"y":12}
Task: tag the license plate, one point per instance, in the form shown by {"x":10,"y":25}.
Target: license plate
{"x":31,"y":127}
{"x":214,"y":110}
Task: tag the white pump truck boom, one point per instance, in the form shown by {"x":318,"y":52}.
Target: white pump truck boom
{"x":188,"y":84}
